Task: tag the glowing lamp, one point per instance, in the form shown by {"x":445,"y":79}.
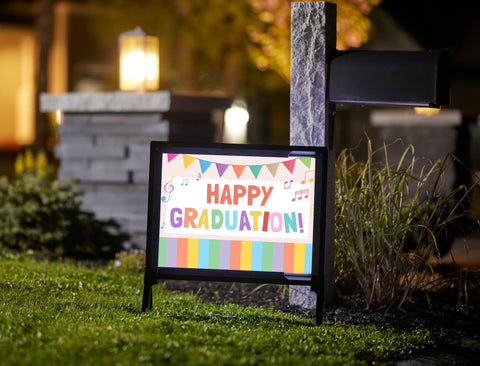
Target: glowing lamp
{"x":426,"y":111}
{"x":236,"y":120}
{"x":139,"y":61}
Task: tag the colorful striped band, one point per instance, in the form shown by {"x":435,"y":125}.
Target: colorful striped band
{"x":235,"y":255}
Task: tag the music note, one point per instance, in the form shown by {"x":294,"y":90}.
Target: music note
{"x":303,"y":193}
{"x":308,"y":172}
{"x":199,"y":176}
{"x":184,"y":182}
{"x":168,"y":187}
{"x":287,"y":184}
{"x":163,"y":225}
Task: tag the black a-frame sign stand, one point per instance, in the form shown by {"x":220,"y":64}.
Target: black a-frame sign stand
{"x":311,"y":199}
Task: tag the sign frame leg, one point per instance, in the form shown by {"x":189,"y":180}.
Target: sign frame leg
{"x":147,"y":299}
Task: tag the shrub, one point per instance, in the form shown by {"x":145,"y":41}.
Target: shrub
{"x":389,"y":220}
{"x":130,"y":261}
{"x":30,"y":163}
{"x":41,"y":214}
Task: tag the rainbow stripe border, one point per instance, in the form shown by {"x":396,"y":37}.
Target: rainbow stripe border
{"x":235,"y":255}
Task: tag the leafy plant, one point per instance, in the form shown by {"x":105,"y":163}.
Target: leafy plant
{"x":130,"y":261}
{"x":30,"y":163}
{"x":390,"y":219}
{"x":41,"y":214}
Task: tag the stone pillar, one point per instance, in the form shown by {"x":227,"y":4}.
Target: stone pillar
{"x":104,"y":142}
{"x":313,"y":37}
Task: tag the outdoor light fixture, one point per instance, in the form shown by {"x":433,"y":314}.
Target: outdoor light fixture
{"x":427,"y":111}
{"x":236,"y":120}
{"x":59,"y":116}
{"x":139,"y":61}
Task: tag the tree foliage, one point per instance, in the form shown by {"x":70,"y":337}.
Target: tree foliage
{"x":228,"y":44}
{"x":270,"y":36}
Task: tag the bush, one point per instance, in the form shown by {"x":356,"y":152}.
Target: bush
{"x":130,"y":261}
{"x":41,"y":214}
{"x":389,"y":220}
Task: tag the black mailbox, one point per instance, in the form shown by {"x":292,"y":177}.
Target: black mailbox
{"x":408,"y":78}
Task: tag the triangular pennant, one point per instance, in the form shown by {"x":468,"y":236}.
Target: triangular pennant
{"x":255,"y":170}
{"x":170,"y":157}
{"x":290,"y":165}
{"x":238,"y":170}
{"x":306,"y":161}
{"x":221,"y":168}
{"x":272,"y":168}
{"x":187,"y":160}
{"x":204,"y":165}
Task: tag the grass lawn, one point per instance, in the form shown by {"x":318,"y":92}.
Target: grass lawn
{"x":60,"y":313}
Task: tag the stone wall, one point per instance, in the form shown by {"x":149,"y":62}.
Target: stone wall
{"x":104,"y":143}
{"x":109,"y":154}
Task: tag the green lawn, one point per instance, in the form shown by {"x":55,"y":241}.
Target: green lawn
{"x":60,"y":313}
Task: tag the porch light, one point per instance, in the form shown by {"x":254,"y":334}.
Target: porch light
{"x":139,"y":61}
{"x":427,"y":111}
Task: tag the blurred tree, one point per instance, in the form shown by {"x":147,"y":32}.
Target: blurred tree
{"x":202,"y":42}
{"x":235,"y":47}
{"x":270,"y":34}
{"x":228,"y":45}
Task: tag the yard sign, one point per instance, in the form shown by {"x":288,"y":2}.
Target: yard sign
{"x":235,"y":213}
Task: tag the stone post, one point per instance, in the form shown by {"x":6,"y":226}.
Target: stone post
{"x":313,"y":38}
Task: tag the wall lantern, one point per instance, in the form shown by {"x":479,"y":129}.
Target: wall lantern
{"x":139,"y":61}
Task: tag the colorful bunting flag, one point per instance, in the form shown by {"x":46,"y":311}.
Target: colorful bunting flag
{"x":255,"y":170}
{"x":221,"y":168}
{"x":238,"y":169}
{"x":187,"y":160}
{"x":204,"y":165}
{"x":272,"y":168}
{"x":306,"y":161}
{"x":170,"y":157}
{"x":290,"y":165}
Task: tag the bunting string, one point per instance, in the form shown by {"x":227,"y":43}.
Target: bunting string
{"x":255,"y":169}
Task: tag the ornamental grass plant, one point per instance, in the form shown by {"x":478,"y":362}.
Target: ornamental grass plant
{"x":389,"y":220}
